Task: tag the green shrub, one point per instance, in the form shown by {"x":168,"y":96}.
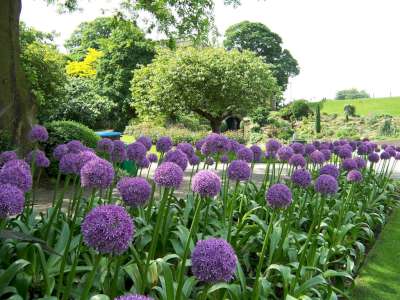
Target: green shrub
{"x":260,"y":115}
{"x":300,"y":109}
{"x":5,"y":141}
{"x":237,"y":135}
{"x":317,"y":120}
{"x":388,"y":128}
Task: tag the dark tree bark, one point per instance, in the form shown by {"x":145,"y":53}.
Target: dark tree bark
{"x":215,"y":125}
{"x":17,"y":105}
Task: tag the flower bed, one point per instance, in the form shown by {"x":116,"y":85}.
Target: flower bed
{"x":300,"y":233}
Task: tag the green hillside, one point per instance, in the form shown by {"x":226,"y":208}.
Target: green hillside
{"x":365,"y":107}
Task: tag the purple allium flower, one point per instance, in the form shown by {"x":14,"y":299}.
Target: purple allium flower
{"x":384,"y":146}
{"x":385,"y":155}
{"x":194,"y":160}
{"x":206,"y":183}
{"x":60,"y":151}
{"x":136,"y":151}
{"x":41,"y":160}
{"x":272,"y":145}
{"x":285,"y":153}
{"x":164,"y":144}
{"x":75,"y":146}
{"x":84,"y":157}
{"x":108,"y":229}
{"x":38,"y":134}
{"x":119,"y":152}
{"x":373,"y":157}
{"x":134,"y":191}
{"x":105,"y":145}
{"x":278,"y":196}
{"x":146,"y":141}
{"x":69,"y":163}
{"x":270,"y":155}
{"x":209,"y":161}
{"x":6,"y":156}
{"x":361,"y":163}
{"x":234,"y":146}
{"x":199,"y":144}
{"x":224,"y":159}
{"x":16,"y":172}
{"x":257,"y":152}
{"x":324,"y":145}
{"x":143,"y":163}
{"x":152,"y":157}
{"x":316,"y":144}
{"x":178,"y":157}
{"x":217,"y":143}
{"x":238,"y":170}
{"x":327,"y":154}
{"x":353,"y":145}
{"x":301,"y":177}
{"x":213,"y":260}
{"x":349,"y":164}
{"x":391,"y":151}
{"x":298,"y":148}
{"x":344,"y":152}
{"x":97,"y":173}
{"x":297,"y":160}
{"x":354,"y":176}
{"x":245,"y":154}
{"x":133,"y":297}
{"x":11,"y":200}
{"x":326,"y":185}
{"x":169,"y":175}
{"x":329,"y":169}
{"x":186,"y":148}
{"x":363,"y":149}
{"x":397,"y":157}
{"x":317,"y":157}
{"x":309,"y":148}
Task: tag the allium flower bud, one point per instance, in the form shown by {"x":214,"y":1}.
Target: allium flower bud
{"x":38,"y":134}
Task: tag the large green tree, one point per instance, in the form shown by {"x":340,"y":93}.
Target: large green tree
{"x":261,"y":40}
{"x":351,"y":94}
{"x":211,"y":82}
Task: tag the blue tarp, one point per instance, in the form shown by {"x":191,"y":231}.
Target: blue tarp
{"x":108,"y":134}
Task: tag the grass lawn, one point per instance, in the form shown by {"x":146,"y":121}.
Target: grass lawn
{"x":380,"y":278}
{"x":364,"y":107}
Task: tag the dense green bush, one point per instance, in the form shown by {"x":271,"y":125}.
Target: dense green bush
{"x":388,"y":128}
{"x":351,"y":94}
{"x":260,"y":115}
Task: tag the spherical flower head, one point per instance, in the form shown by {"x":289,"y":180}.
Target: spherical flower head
{"x":384,"y":146}
{"x":164,"y":144}
{"x":38,"y":134}
{"x":327,"y":154}
{"x":133,"y":297}
{"x":41,"y":160}
{"x":309,"y":148}
{"x":373,"y":157}
{"x":169,"y":175}
{"x":136,"y":151}
{"x":97,"y":173}
{"x":178,"y":157}
{"x":301,"y":177}
{"x":238,"y":170}
{"x":60,"y":151}
{"x":317,"y":157}
{"x":391,"y":151}
{"x":217,"y":143}
{"x":75,"y":146}
{"x":354,"y":176}
{"x":326,"y":185}
{"x":270,"y":155}
{"x":278,"y":196}
{"x":6,"y":156}
{"x":349,"y":164}
{"x":69,"y":163}
{"x":119,"y":152}
{"x":353,"y":145}
{"x":325,"y":145}
{"x":144,"y":163}
{"x":16,"y":172}
{"x":11,"y":200}
{"x":108,"y":229}
{"x":298,"y":148}
{"x":152,"y":157}
{"x":385,"y":155}
{"x":234,"y":146}
{"x":105,"y":145}
{"x":344,"y":152}
{"x":285,"y":153}
{"x":316,"y":144}
{"x":206,"y":183}
{"x":329,"y":169}
{"x":397,"y":157}
{"x":134,"y":191}
{"x":209,"y":161}
{"x":198,"y":144}
{"x":84,"y":157}
{"x":361,"y":163}
{"x":297,"y":160}
{"x":186,"y":148}
{"x":273,"y":145}
{"x":146,"y":141}
{"x":245,"y":154}
{"x":257,"y":152}
{"x":213,"y":260}
{"x":224,"y":159}
{"x":363,"y":149}
{"x":194,"y":160}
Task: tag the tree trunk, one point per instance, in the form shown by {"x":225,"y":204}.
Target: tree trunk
{"x":16,"y":102}
{"x":215,"y":125}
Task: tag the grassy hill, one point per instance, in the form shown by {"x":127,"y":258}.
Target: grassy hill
{"x":365,"y":107}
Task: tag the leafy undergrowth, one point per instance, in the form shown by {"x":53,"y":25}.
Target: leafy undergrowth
{"x":379,"y":278}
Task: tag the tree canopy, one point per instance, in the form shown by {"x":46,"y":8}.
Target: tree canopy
{"x":351,"y":94}
{"x":261,"y":40}
{"x":211,"y":82}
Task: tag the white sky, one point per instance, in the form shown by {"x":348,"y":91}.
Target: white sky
{"x":338,"y":43}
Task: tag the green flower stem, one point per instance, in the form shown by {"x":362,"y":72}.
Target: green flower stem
{"x":231,"y":208}
{"x":114,"y":282}
{"x":89,"y":282}
{"x":151,"y":203}
{"x":192,"y":233}
{"x":56,"y":188}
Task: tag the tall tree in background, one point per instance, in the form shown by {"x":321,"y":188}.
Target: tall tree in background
{"x":260,"y":39}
